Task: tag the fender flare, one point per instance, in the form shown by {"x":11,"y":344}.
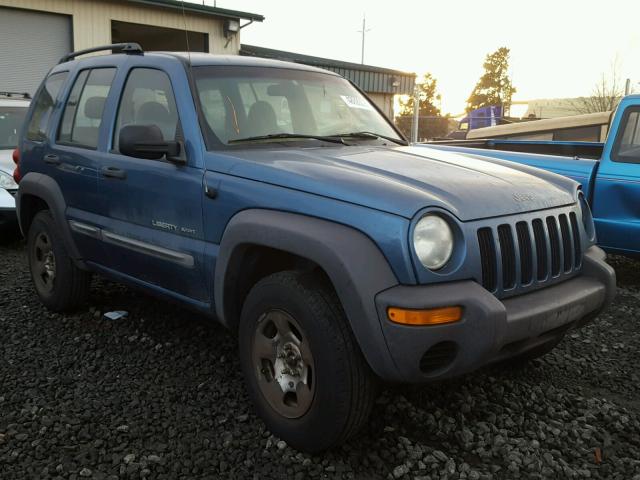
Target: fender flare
{"x":46,"y":188}
{"x":353,"y":262}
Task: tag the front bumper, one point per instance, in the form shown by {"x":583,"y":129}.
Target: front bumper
{"x":490,"y":329}
{"x":8,"y":216}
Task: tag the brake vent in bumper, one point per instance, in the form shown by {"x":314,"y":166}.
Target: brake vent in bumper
{"x":438,"y":357}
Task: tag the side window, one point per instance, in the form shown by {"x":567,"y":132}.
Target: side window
{"x":83,"y":112}
{"x":64,"y":135}
{"x":44,"y":104}
{"x":627,"y":146}
{"x":148,"y":99}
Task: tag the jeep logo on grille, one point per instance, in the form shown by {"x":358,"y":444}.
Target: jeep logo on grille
{"x":523,"y":197}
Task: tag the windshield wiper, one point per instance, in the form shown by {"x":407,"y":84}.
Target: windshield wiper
{"x":331,"y":138}
{"x":371,"y":135}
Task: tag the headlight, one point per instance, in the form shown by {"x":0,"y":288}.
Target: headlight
{"x":7,"y":182}
{"x":433,"y":241}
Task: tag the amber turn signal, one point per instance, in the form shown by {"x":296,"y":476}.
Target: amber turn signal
{"x":432,"y":316}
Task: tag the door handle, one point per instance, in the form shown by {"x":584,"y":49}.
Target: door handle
{"x":113,"y":172}
{"x":52,"y":159}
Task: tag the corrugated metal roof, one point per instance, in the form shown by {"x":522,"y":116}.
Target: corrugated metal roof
{"x":368,"y":77}
{"x":204,"y":9}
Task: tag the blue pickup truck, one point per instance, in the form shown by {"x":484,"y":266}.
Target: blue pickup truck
{"x":609,"y":173}
{"x":277,"y":199}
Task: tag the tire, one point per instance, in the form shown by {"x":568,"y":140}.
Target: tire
{"x":319,"y":359}
{"x":60,"y":285}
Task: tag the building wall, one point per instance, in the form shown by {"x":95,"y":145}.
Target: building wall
{"x":92,"y":20}
{"x":384,"y":101}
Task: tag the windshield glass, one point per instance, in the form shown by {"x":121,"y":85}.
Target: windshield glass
{"x":11,"y":119}
{"x":244,"y":102}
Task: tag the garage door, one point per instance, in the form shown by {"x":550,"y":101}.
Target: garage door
{"x":31,"y":43}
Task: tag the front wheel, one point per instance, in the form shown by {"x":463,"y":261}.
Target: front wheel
{"x":304,"y":370}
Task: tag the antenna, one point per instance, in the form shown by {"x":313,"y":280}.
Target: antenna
{"x":186,"y":34}
{"x":363,"y":31}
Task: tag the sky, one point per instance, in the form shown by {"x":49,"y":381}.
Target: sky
{"x":559,"y":48}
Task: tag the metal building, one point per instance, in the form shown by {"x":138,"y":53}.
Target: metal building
{"x":381,"y":84}
{"x":34,"y":34}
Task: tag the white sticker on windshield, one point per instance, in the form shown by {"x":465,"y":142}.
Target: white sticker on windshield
{"x":356,"y":102}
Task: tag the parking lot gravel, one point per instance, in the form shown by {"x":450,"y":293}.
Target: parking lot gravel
{"x":160,"y":394}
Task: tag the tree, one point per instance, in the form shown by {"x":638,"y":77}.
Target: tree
{"x":428,"y":95}
{"x":494,"y":87}
{"x":431,"y":124}
{"x":605,"y":96}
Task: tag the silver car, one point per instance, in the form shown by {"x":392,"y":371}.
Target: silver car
{"x":13,"y":108}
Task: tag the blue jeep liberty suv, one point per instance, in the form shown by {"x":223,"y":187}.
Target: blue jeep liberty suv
{"x":278,"y":199}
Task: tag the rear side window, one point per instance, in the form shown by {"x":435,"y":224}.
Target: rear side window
{"x":83,"y":112}
{"x":44,"y":104}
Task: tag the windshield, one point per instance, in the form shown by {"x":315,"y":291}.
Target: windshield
{"x":245,"y":102}
{"x":11,"y":119}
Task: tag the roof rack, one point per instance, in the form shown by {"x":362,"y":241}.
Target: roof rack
{"x":128,"y":48}
{"x":16,"y":94}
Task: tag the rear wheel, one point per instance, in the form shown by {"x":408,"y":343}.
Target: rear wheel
{"x":304,"y":370}
{"x":59,"y":283}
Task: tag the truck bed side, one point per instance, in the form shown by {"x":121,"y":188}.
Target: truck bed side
{"x":581,"y":170}
{"x":590,"y":150}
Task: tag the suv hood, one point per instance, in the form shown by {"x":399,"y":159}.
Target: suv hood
{"x":404,"y":180}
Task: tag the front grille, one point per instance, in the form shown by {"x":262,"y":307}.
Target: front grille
{"x":554,"y":241}
{"x":577,"y":250}
{"x":488,"y":258}
{"x":567,"y":243}
{"x":530,"y":252}
{"x":541,"y":248}
{"x":526,"y":255}
{"x":508,"y":254}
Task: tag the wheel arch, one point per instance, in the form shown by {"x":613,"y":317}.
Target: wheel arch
{"x":38,"y":192}
{"x":354,"y":265}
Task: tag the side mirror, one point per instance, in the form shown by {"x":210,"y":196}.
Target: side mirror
{"x":146,"y":141}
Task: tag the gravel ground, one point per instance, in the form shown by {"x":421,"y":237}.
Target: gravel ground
{"x":160,"y":395}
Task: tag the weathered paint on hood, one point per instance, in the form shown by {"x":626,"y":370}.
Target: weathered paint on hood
{"x":404,"y":180}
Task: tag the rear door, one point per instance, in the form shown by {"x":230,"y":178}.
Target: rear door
{"x":72,"y":157}
{"x":35,"y":142}
{"x":152,"y":209}
{"x":616,"y":201}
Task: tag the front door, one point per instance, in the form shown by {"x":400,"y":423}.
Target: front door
{"x":152,"y":223}
{"x":616,"y":208}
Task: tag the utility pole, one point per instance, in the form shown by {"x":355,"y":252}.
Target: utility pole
{"x":627,"y":87}
{"x":363,"y":31}
{"x":416,"y":114}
